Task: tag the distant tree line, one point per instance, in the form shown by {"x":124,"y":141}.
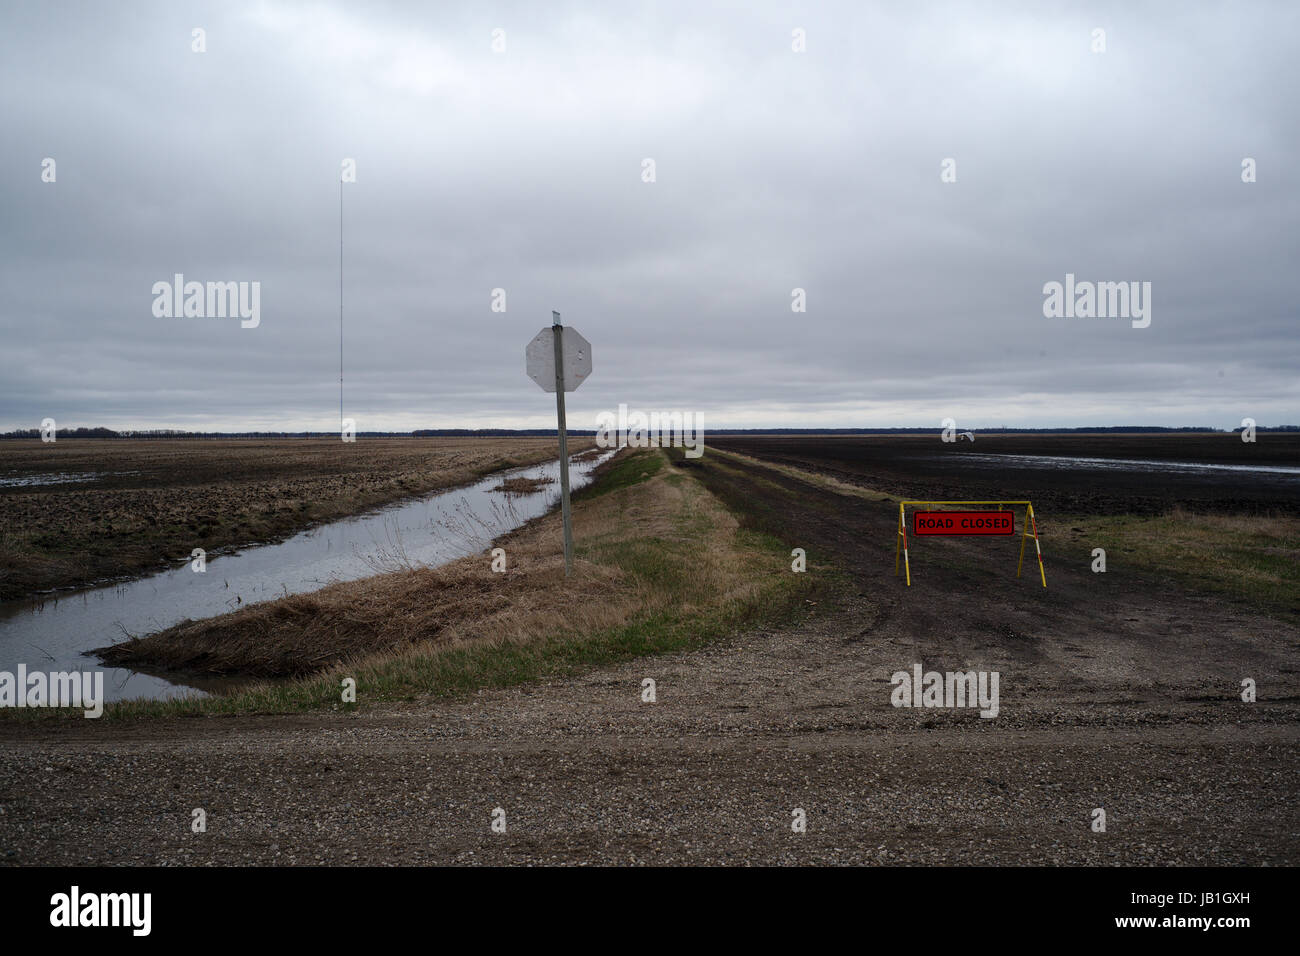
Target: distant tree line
{"x":166,"y":433}
{"x":1004,"y":430}
{"x":496,"y":432}
{"x":64,"y":433}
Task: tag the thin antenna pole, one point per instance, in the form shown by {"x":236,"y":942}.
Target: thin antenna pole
{"x":340,"y":305}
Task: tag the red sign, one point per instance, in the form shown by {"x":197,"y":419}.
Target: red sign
{"x":963,"y":522}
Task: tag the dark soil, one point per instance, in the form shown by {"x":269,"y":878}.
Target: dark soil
{"x":928,"y":468}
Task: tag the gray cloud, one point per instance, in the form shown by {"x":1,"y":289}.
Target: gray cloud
{"x":522,"y":170}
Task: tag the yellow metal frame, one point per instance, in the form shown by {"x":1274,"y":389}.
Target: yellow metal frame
{"x":900,"y":545}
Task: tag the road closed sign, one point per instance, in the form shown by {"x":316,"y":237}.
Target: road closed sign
{"x":967,"y":522}
{"x":963,"y":522}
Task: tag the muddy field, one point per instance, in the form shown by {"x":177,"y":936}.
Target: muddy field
{"x":79,"y":511}
{"x":1115,"y":695}
{"x":922,"y":467}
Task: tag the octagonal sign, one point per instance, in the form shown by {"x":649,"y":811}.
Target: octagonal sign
{"x":575,"y":358}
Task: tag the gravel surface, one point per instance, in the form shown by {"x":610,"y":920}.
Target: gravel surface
{"x":1112,"y":695}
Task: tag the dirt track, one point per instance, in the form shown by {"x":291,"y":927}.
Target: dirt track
{"x":1114,"y":694}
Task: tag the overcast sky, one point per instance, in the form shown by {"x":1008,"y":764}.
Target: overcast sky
{"x":774,"y":170}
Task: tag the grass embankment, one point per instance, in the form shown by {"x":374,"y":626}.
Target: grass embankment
{"x":136,"y":506}
{"x":660,"y":566}
{"x":1252,"y":558}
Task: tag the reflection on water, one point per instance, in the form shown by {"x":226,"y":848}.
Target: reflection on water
{"x":1123,"y":464}
{"x":53,"y":633}
{"x":59,"y":478}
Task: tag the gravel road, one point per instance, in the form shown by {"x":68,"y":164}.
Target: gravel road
{"x":1113,"y":695}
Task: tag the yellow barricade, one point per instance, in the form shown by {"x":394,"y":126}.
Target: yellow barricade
{"x":901,"y":542}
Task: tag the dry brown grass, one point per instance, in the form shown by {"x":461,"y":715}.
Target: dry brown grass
{"x":1256,"y":557}
{"x":663,"y":542}
{"x":523,"y":486}
{"x":816,"y":478}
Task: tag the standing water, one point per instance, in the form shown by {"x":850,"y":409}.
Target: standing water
{"x":55,"y":632}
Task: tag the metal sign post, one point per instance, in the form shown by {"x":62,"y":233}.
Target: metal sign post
{"x":559,"y":363}
{"x":557,"y":331}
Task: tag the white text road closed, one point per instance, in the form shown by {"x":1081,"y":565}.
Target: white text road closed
{"x":963,"y":522}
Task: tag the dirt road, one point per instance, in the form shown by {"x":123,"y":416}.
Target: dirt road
{"x":1115,"y":694}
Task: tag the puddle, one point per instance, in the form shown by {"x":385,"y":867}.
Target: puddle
{"x":59,"y":478}
{"x":55,"y":632}
{"x":1060,"y":462}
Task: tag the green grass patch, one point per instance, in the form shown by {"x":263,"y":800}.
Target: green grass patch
{"x":1252,"y":558}
{"x":624,"y":471}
